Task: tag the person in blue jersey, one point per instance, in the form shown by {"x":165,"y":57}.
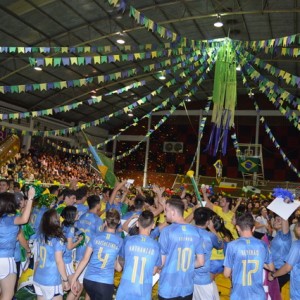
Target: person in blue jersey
{"x":204,"y":287}
{"x":101,"y":260}
{"x":245,"y":260}
{"x":292,"y":265}
{"x":9,"y":229}
{"x":50,"y":276}
{"x":91,"y":225}
{"x":69,"y":198}
{"x":142,"y":258}
{"x":280,"y":247}
{"x":70,"y":215}
{"x":116,"y":197}
{"x":181,"y":251}
{"x":81,"y":196}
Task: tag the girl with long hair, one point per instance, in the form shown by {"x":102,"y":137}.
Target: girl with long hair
{"x":70,"y":216}
{"x":50,"y":276}
{"x":9,"y":229}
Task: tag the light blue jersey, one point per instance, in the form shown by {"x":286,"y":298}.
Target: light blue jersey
{"x":116,"y":206}
{"x":90,"y":224}
{"x":36,"y":217}
{"x":106,"y":248}
{"x":81,"y":209}
{"x":246,"y":258}
{"x":180,"y":243}
{"x":47,"y":272}
{"x":209,"y":241}
{"x":142,"y":255}
{"x":293,"y":259}
{"x":8,"y":235}
{"x":69,"y":232}
{"x":280,"y":247}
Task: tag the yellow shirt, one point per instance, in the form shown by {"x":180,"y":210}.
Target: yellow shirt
{"x":187,"y":212}
{"x":227,"y":217}
{"x":103,"y":207}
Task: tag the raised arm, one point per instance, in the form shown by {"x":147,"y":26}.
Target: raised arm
{"x":115,"y":191}
{"x":208,"y":203}
{"x":23,"y":219}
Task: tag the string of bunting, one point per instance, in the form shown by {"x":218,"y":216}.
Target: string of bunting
{"x":200,"y":131}
{"x":275,"y":99}
{"x":275,"y":94}
{"x":163,"y":32}
{"x":276,"y":144}
{"x":87,"y":49}
{"x":101,"y":120}
{"x":289,"y":78}
{"x":65,"y":108}
{"x":127,"y":153}
{"x":271,"y":44}
{"x":101,"y":59}
{"x":100,"y":145}
{"x":179,"y":60}
{"x":136,"y":120}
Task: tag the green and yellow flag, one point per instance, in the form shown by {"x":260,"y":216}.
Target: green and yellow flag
{"x":249,"y":164}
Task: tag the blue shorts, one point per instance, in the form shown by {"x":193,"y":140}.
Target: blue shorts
{"x":216,"y":266}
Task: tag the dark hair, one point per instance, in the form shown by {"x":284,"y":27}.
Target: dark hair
{"x":149,"y":200}
{"x":92,"y":201}
{"x":229,"y":200}
{"x":177,"y":204}
{"x":139,"y":202}
{"x":17,"y":185}
{"x":202,"y":215}
{"x":68,"y":193}
{"x":8,"y":204}
{"x":219,"y":226}
{"x":50,"y":226}
{"x":4,"y":180}
{"x":69,"y":216}
{"x":53,"y":189}
{"x":107,"y":189}
{"x":112,"y":218}
{"x":245,"y":221}
{"x":146,"y":219}
{"x":81,"y":192}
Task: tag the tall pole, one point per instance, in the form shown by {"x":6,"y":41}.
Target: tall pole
{"x":147,"y":155}
{"x":256,"y":147}
{"x":114,"y":152}
{"x":198,"y":147}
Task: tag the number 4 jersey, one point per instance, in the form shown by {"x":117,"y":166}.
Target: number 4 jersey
{"x":246,"y":258}
{"x":142,"y":255}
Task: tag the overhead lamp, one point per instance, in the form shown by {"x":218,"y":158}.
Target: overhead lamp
{"x":188,"y":99}
{"x":120,"y":41}
{"x":219,"y":22}
{"x":161,"y":76}
{"x":38,"y":68}
{"x":94,"y":96}
{"x":238,"y":68}
{"x":130,"y":114}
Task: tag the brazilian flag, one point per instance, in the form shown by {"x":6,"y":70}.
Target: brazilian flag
{"x":104,"y":164}
{"x":249,"y":164}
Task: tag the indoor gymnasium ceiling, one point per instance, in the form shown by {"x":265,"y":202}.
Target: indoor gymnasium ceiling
{"x":76,"y":23}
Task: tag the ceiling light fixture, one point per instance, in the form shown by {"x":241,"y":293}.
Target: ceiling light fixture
{"x":130,"y":114}
{"x":120,"y":41}
{"x":94,"y":96}
{"x":188,"y":99}
{"x":161,"y":76}
{"x":238,"y":68}
{"x":38,"y":68}
{"x":219,"y":22}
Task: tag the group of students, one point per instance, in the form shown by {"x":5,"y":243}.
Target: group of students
{"x":83,"y":238}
